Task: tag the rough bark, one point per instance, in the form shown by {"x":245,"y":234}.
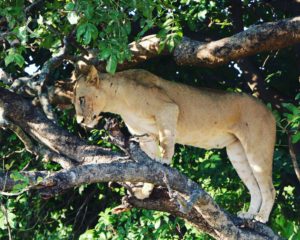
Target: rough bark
{"x":257,"y":38}
{"x":217,"y":222}
{"x":159,"y":200}
{"x":33,"y":121}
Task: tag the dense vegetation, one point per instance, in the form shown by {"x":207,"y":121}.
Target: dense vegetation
{"x":30,"y":34}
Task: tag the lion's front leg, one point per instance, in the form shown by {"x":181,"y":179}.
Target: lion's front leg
{"x":150,"y":146}
{"x":166,"y":120}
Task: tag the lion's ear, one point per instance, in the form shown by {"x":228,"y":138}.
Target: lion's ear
{"x":81,"y":68}
{"x":93,"y":77}
{"x":92,"y":73}
{"x":89,"y":71}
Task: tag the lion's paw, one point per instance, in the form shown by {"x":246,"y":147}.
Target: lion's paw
{"x":142,"y":190}
{"x":246,"y":215}
{"x":261,"y":218}
{"x":163,"y":161}
{"x":251,"y":216}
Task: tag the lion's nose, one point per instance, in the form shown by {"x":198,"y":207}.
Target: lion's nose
{"x":79,"y":119}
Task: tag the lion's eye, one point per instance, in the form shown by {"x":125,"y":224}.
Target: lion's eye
{"x":81,"y":101}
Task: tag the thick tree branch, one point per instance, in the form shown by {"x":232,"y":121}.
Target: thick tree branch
{"x":33,"y":121}
{"x":256,"y":39}
{"x":160,"y":201}
{"x":136,"y":171}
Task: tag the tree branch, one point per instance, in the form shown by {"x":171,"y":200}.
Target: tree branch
{"x":293,"y":156}
{"x":160,"y":201}
{"x":258,"y":38}
{"x":34,"y":122}
{"x":145,"y":171}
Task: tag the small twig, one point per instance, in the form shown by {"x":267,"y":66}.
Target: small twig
{"x":90,"y":195}
{"x":9,"y":194}
{"x":78,"y":46}
{"x":293,"y":157}
{"x":65,"y":162}
{"x":4,"y":210}
{"x":26,"y":166}
{"x":12,"y":153}
{"x":22,"y":136}
{"x":44,"y":78}
{"x":265,"y":61}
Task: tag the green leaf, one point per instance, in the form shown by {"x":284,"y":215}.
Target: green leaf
{"x":296,"y":138}
{"x":22,"y":34}
{"x":88,"y":235}
{"x":9,"y":59}
{"x":89,"y":13}
{"x":202,"y":14}
{"x":19,"y":187}
{"x":2,"y":221}
{"x":157,"y":224}
{"x":22,"y":180}
{"x":295,"y":110}
{"x":87,"y":37}
{"x":19,"y":60}
{"x":80,"y":31}
{"x":70,"y":6}
{"x":16,"y":176}
{"x":112,"y":64}
{"x":39,"y":179}
{"x":73,"y":18}
{"x":105,"y":53}
{"x":88,"y":31}
{"x":14,"y":58}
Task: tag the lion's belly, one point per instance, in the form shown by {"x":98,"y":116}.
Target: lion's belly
{"x":203,"y":138}
{"x":207,"y":140}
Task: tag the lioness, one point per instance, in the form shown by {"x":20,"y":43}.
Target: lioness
{"x":169,"y":113}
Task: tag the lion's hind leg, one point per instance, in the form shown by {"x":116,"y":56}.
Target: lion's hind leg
{"x":262,"y":170}
{"x":238,"y":158}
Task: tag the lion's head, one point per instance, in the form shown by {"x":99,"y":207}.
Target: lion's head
{"x":89,"y":99}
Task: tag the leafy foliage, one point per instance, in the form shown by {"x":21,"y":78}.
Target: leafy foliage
{"x":31,"y":36}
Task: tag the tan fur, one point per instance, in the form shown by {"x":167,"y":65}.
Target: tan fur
{"x":170,"y":113}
